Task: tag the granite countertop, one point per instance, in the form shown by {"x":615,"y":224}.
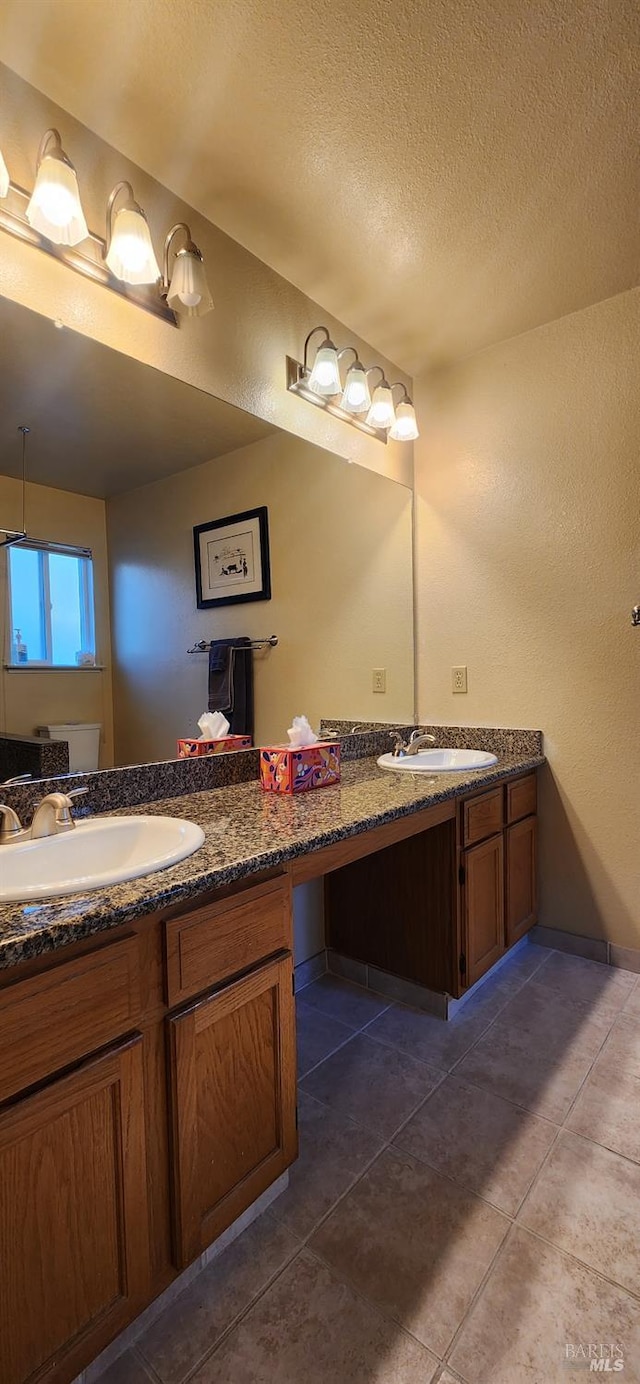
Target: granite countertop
{"x":246,"y":830}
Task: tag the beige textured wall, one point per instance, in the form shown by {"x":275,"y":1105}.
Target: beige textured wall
{"x":341,"y":602}
{"x":528,"y":564}
{"x":29,"y":698}
{"x":236,"y":352}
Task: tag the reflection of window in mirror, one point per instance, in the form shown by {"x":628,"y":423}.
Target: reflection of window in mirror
{"x":52,"y":608}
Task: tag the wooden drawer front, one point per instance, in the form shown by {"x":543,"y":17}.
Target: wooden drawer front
{"x":483,"y":816}
{"x":233,"y":1102}
{"x":52,"y":1020}
{"x":221,"y":940}
{"x":522,"y":798}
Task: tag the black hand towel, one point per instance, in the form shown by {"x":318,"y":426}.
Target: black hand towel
{"x":231,"y":682}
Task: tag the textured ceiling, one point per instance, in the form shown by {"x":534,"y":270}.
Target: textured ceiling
{"x":100,"y":421}
{"x":441,"y":174}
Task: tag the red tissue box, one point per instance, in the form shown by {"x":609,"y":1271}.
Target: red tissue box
{"x":285,"y":769}
{"x":193,"y":749}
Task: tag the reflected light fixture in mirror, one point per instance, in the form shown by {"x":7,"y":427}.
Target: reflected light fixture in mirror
{"x":129,"y":254}
{"x":185,"y":288}
{"x":54,"y":208}
{"x":4,"y":177}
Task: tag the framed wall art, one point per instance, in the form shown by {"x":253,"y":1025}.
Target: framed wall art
{"x":232,"y":559}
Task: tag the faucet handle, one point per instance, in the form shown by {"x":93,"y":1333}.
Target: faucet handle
{"x":399,"y":747}
{"x":76,"y":792}
{"x":10,"y":825}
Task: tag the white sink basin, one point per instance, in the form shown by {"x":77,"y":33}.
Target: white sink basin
{"x":96,"y":853}
{"x":437,"y":761}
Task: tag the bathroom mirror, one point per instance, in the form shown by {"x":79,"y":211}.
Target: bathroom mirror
{"x":125,"y":461}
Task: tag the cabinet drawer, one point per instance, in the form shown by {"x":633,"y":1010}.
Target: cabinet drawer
{"x":222,"y":939}
{"x":522,"y":798}
{"x":483,"y":816}
{"x":52,"y":1020}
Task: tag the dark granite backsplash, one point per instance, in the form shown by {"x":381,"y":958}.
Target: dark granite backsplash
{"x":109,"y":789}
{"x":32,"y":754}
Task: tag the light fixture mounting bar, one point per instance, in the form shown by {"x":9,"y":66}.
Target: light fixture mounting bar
{"x":297,"y":383}
{"x":89,"y":261}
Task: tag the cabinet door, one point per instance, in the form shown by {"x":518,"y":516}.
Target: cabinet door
{"x":521,"y":878}
{"x":233,"y":1097}
{"x":483,"y":906}
{"x":74,"y":1266}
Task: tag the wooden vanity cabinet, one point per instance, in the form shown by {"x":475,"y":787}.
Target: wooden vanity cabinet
{"x":233,"y":1101}
{"x":74,"y":1268}
{"x":440,"y":907}
{"x":147,"y":1097}
{"x":498,"y":874}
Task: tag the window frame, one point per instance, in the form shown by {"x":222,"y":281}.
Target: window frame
{"x":86,"y":603}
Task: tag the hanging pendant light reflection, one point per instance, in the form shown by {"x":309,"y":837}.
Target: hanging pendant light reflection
{"x":54,"y":208}
{"x":186,"y":290}
{"x":130,"y":254}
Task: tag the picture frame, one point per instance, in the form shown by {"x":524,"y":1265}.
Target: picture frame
{"x":232,"y":563}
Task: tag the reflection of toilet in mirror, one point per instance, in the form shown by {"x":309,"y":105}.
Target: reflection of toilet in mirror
{"x":83,"y":740}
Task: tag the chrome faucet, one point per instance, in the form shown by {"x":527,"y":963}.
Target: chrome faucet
{"x":415,"y":743}
{"x":53,"y":815}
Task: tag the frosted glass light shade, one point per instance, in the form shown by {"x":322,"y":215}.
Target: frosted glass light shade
{"x":405,"y":428}
{"x":356,"y":397}
{"x":131,"y":256}
{"x":55,"y":209}
{"x":189,"y":291}
{"x":382,"y":413}
{"x":4,"y":177}
{"x":325,"y":376}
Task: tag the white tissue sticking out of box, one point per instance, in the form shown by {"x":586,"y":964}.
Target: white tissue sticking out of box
{"x":300,"y":733}
{"x":213,"y":726}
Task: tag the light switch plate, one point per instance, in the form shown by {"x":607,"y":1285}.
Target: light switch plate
{"x":459,"y":679}
{"x":379,"y":680}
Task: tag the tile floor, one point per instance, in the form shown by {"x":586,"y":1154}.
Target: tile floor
{"x":466,"y":1206}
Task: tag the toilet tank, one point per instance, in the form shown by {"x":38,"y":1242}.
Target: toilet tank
{"x":83,"y":740}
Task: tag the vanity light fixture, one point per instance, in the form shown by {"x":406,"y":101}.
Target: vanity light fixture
{"x":325,"y":375}
{"x":355,"y":395}
{"x":185,"y":288}
{"x":129,"y":253}
{"x":55,"y":209}
{"x":405,"y":427}
{"x":4,"y":177}
{"x":382,"y":413}
{"x":320,"y":383}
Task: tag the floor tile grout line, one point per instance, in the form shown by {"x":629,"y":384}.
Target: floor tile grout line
{"x":568,"y":1254}
{"x":303,"y":1076}
{"x":202,"y":1360}
{"x":387,"y":1316}
{"x":388,"y":1144}
{"x":479,"y":1291}
{"x":145,"y":1364}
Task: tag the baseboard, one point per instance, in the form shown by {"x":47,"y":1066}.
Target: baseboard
{"x":307,"y":971}
{"x":592,"y":948}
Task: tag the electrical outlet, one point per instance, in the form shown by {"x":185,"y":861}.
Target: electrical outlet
{"x":459,"y":680}
{"x":379,"y":680}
